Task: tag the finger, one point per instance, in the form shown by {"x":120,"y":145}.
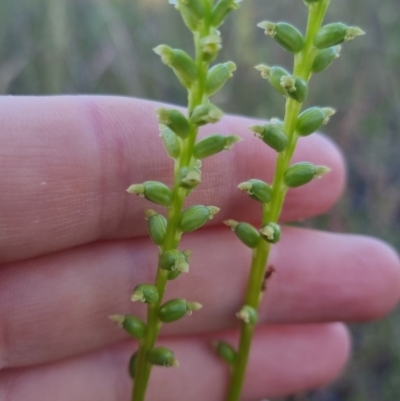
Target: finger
{"x":283,"y":360}
{"x":66,"y":162}
{"x":62,"y":299}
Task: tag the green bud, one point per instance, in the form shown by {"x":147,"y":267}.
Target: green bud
{"x":132,"y":365}
{"x":271,"y":232}
{"x":214,"y":144}
{"x":274,"y":75}
{"x":173,"y":274}
{"x":175,"y":309}
{"x":217,"y":77}
{"x":272,"y":135}
{"x":334,"y":34}
{"x":225,"y":351}
{"x":210,"y":46}
{"x":277,"y":122}
{"x":245,"y":232}
{"x":312,"y":119}
{"x":221,"y":10}
{"x":302,"y":173}
{"x":162,"y":356}
{"x":171,"y":141}
{"x":324,"y":58}
{"x":189,"y":177}
{"x":205,"y":114}
{"x":175,"y":120}
{"x":257,"y":189}
{"x":146,"y":293}
{"x":285,"y":34}
{"x":174,"y":260}
{"x":192,"y":12}
{"x":182,"y":64}
{"x":296,"y":88}
{"x":131,"y":324}
{"x":196,"y":216}
{"x":157,"y":226}
{"x":248,"y":315}
{"x":153,"y":191}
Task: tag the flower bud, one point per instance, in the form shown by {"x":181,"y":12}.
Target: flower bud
{"x":171,"y":141}
{"x":162,"y":356}
{"x":271,"y":232}
{"x":174,"y":260}
{"x":131,"y":324}
{"x":296,"y":88}
{"x":173,"y":274}
{"x":247,"y":314}
{"x":214,"y":144}
{"x":221,"y":10}
{"x":312,"y":119}
{"x":217,"y":77}
{"x":146,"y":293}
{"x":245,"y":232}
{"x":132,"y":365}
{"x":174,"y":120}
{"x":302,"y":173}
{"x":206,"y":113}
{"x":157,"y":226}
{"x":196,"y":216}
{"x":324,"y":58}
{"x":210,"y":46}
{"x":225,"y":351}
{"x":257,"y":189}
{"x":285,"y":34}
{"x":189,"y":177}
{"x":274,"y":75}
{"x":175,"y":309}
{"x":153,"y":191}
{"x":182,"y":64}
{"x":334,"y":34}
{"x":192,"y":12}
{"x":272,"y":135}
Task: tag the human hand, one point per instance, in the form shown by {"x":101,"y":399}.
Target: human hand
{"x":73,"y":245}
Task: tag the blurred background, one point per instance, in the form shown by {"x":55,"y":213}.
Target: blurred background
{"x":104,"y":46}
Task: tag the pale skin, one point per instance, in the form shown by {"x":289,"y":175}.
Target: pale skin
{"x":73,"y":244}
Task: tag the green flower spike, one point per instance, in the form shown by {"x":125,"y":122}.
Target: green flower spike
{"x":245,"y":232}
{"x":146,"y":293}
{"x":153,"y":191}
{"x":162,"y":356}
{"x":285,"y":34}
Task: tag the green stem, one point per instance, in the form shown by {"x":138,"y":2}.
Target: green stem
{"x":172,"y":237}
{"x":271,"y":213}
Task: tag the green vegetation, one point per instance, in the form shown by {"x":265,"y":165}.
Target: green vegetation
{"x":104,"y":46}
